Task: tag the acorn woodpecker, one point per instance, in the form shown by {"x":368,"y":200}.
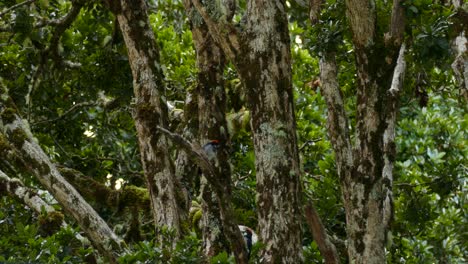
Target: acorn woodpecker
{"x":250,"y":238}
{"x":211,"y":148}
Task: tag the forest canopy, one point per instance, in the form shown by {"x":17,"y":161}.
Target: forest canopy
{"x":249,"y":131}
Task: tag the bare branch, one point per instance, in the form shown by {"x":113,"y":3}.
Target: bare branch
{"x":309,"y":142}
{"x":324,"y":243}
{"x":13,"y":7}
{"x":399,"y":73}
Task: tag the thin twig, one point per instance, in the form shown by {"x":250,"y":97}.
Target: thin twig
{"x":73,"y":108}
{"x":11,"y":8}
{"x":309,"y":142}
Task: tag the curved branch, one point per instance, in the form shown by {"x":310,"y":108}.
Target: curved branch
{"x":231,"y":229}
{"x":324,"y":243}
{"x":197,"y":154}
{"x":60,"y":26}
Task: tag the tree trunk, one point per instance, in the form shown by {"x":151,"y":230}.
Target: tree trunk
{"x":15,"y":188}
{"x":459,"y":46}
{"x":265,"y":68}
{"x":167,"y":198}
{"x":211,"y":107}
{"x":220,"y":232}
{"x":186,"y":170}
{"x":261,"y":53}
{"x":19,"y":145}
{"x":366,"y":169}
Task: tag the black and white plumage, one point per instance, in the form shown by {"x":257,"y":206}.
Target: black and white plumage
{"x":211,"y":148}
{"x":250,"y":238}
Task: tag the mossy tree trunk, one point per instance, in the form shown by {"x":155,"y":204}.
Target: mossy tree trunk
{"x":19,"y":147}
{"x":211,"y":107}
{"x":220,"y":232}
{"x":260,"y":51}
{"x":366,"y":167}
{"x":166,"y":194}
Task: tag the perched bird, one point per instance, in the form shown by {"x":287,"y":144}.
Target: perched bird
{"x":250,"y":238}
{"x":211,"y":148}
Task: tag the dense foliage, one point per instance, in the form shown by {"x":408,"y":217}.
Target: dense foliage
{"x":77,"y":97}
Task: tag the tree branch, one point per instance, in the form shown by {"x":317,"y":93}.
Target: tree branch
{"x":29,"y":197}
{"x":398,"y":73}
{"x":389,"y":133}
{"x":21,"y":138}
{"x":324,"y":243}
{"x":73,"y":108}
{"x":60,"y":27}
{"x":315,"y":6}
{"x":13,"y":7}
{"x":197,"y":154}
{"x":309,"y":142}
{"x":127,"y":197}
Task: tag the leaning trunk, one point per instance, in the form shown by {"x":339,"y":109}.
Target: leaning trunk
{"x":18,"y":146}
{"x":167,"y":199}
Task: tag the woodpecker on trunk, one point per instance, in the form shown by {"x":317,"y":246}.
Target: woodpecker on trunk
{"x":250,"y":238}
{"x":211,"y":148}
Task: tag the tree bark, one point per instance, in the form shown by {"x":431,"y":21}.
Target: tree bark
{"x":260,"y":50}
{"x":324,"y":243}
{"x":185,"y":169}
{"x":34,"y":158}
{"x":459,"y":46}
{"x":166,"y":194}
{"x":220,"y":232}
{"x":366,"y":169}
{"x":211,"y":108}
{"x":14,"y":187}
